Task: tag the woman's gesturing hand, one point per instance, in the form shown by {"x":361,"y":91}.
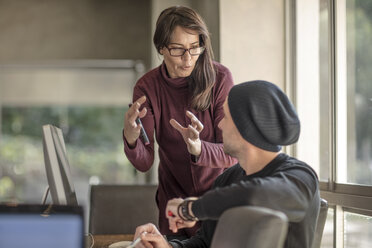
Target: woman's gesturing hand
{"x":190,"y":133}
{"x":131,"y":129}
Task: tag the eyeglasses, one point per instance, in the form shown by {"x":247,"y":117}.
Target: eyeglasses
{"x":178,"y":52}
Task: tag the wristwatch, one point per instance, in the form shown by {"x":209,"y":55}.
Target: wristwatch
{"x":183,"y":209}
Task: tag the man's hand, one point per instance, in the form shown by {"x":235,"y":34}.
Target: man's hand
{"x":174,"y":220}
{"x":190,"y":134}
{"x":152,"y":238}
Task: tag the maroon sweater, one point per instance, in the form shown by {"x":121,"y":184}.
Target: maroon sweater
{"x":179,"y":175}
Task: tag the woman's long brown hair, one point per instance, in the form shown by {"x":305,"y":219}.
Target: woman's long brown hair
{"x":203,"y":77}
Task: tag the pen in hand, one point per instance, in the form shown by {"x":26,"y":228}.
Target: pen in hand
{"x":136,"y":241}
{"x":143,"y":132}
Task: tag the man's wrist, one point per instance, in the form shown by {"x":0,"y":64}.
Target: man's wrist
{"x":190,"y":209}
{"x":185,"y":211}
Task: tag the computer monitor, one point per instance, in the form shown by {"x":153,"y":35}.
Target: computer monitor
{"x":57,"y":167}
{"x":41,"y":226}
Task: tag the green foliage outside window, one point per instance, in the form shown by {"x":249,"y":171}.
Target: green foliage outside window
{"x":93,"y":137}
{"x":359,"y":29}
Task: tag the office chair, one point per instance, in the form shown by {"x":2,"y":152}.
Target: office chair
{"x":119,"y":209}
{"x":249,"y":226}
{"x":320,"y":223}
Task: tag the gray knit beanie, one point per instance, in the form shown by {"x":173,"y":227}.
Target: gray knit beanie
{"x":264,"y":115}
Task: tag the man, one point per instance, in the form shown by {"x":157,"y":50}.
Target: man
{"x":259,"y":119}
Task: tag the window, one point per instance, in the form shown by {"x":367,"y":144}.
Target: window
{"x":355,"y":95}
{"x":87,"y":99}
{"x":334,"y":101}
{"x":327,"y":239}
{"x":357,"y":230}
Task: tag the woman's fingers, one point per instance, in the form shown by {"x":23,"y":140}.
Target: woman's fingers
{"x":195,"y":121}
{"x":133,"y":112}
{"x":134,"y":109}
{"x":173,"y":226}
{"x":141,"y":100}
{"x":194,"y":134}
{"x":190,"y":134}
{"x":142,"y":113}
{"x":176,"y":125}
{"x":131,"y":128}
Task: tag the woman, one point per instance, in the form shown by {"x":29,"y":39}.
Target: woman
{"x":181,"y":101}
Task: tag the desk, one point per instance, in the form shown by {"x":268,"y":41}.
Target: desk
{"x":103,"y":241}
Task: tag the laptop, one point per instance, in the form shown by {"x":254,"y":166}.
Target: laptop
{"x":41,"y":226}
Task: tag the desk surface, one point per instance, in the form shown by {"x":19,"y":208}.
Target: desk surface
{"x":103,"y":241}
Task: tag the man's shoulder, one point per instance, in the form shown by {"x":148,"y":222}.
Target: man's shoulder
{"x":229,"y":174}
{"x":299,"y":170}
{"x":292,"y":163}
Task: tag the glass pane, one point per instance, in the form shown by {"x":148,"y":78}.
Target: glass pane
{"x":327,"y":238}
{"x":324,"y":93}
{"x":357,"y":95}
{"x":88,"y":104}
{"x":358,"y":231}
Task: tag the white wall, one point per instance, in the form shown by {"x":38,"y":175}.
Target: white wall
{"x":252,"y":39}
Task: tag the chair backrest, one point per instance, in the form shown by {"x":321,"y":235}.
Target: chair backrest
{"x":250,"y":226}
{"x":119,"y":209}
{"x":320,"y":223}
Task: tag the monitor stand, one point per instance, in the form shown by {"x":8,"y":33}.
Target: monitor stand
{"x":45,"y":195}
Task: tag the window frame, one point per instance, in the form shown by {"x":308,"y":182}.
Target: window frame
{"x":341,"y":197}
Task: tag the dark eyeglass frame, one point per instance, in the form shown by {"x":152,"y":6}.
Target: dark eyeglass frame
{"x":184,"y":51}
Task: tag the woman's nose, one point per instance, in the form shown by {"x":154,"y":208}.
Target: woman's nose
{"x":186,"y":56}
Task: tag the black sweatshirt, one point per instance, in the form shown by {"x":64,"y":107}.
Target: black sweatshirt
{"x":285,"y":184}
